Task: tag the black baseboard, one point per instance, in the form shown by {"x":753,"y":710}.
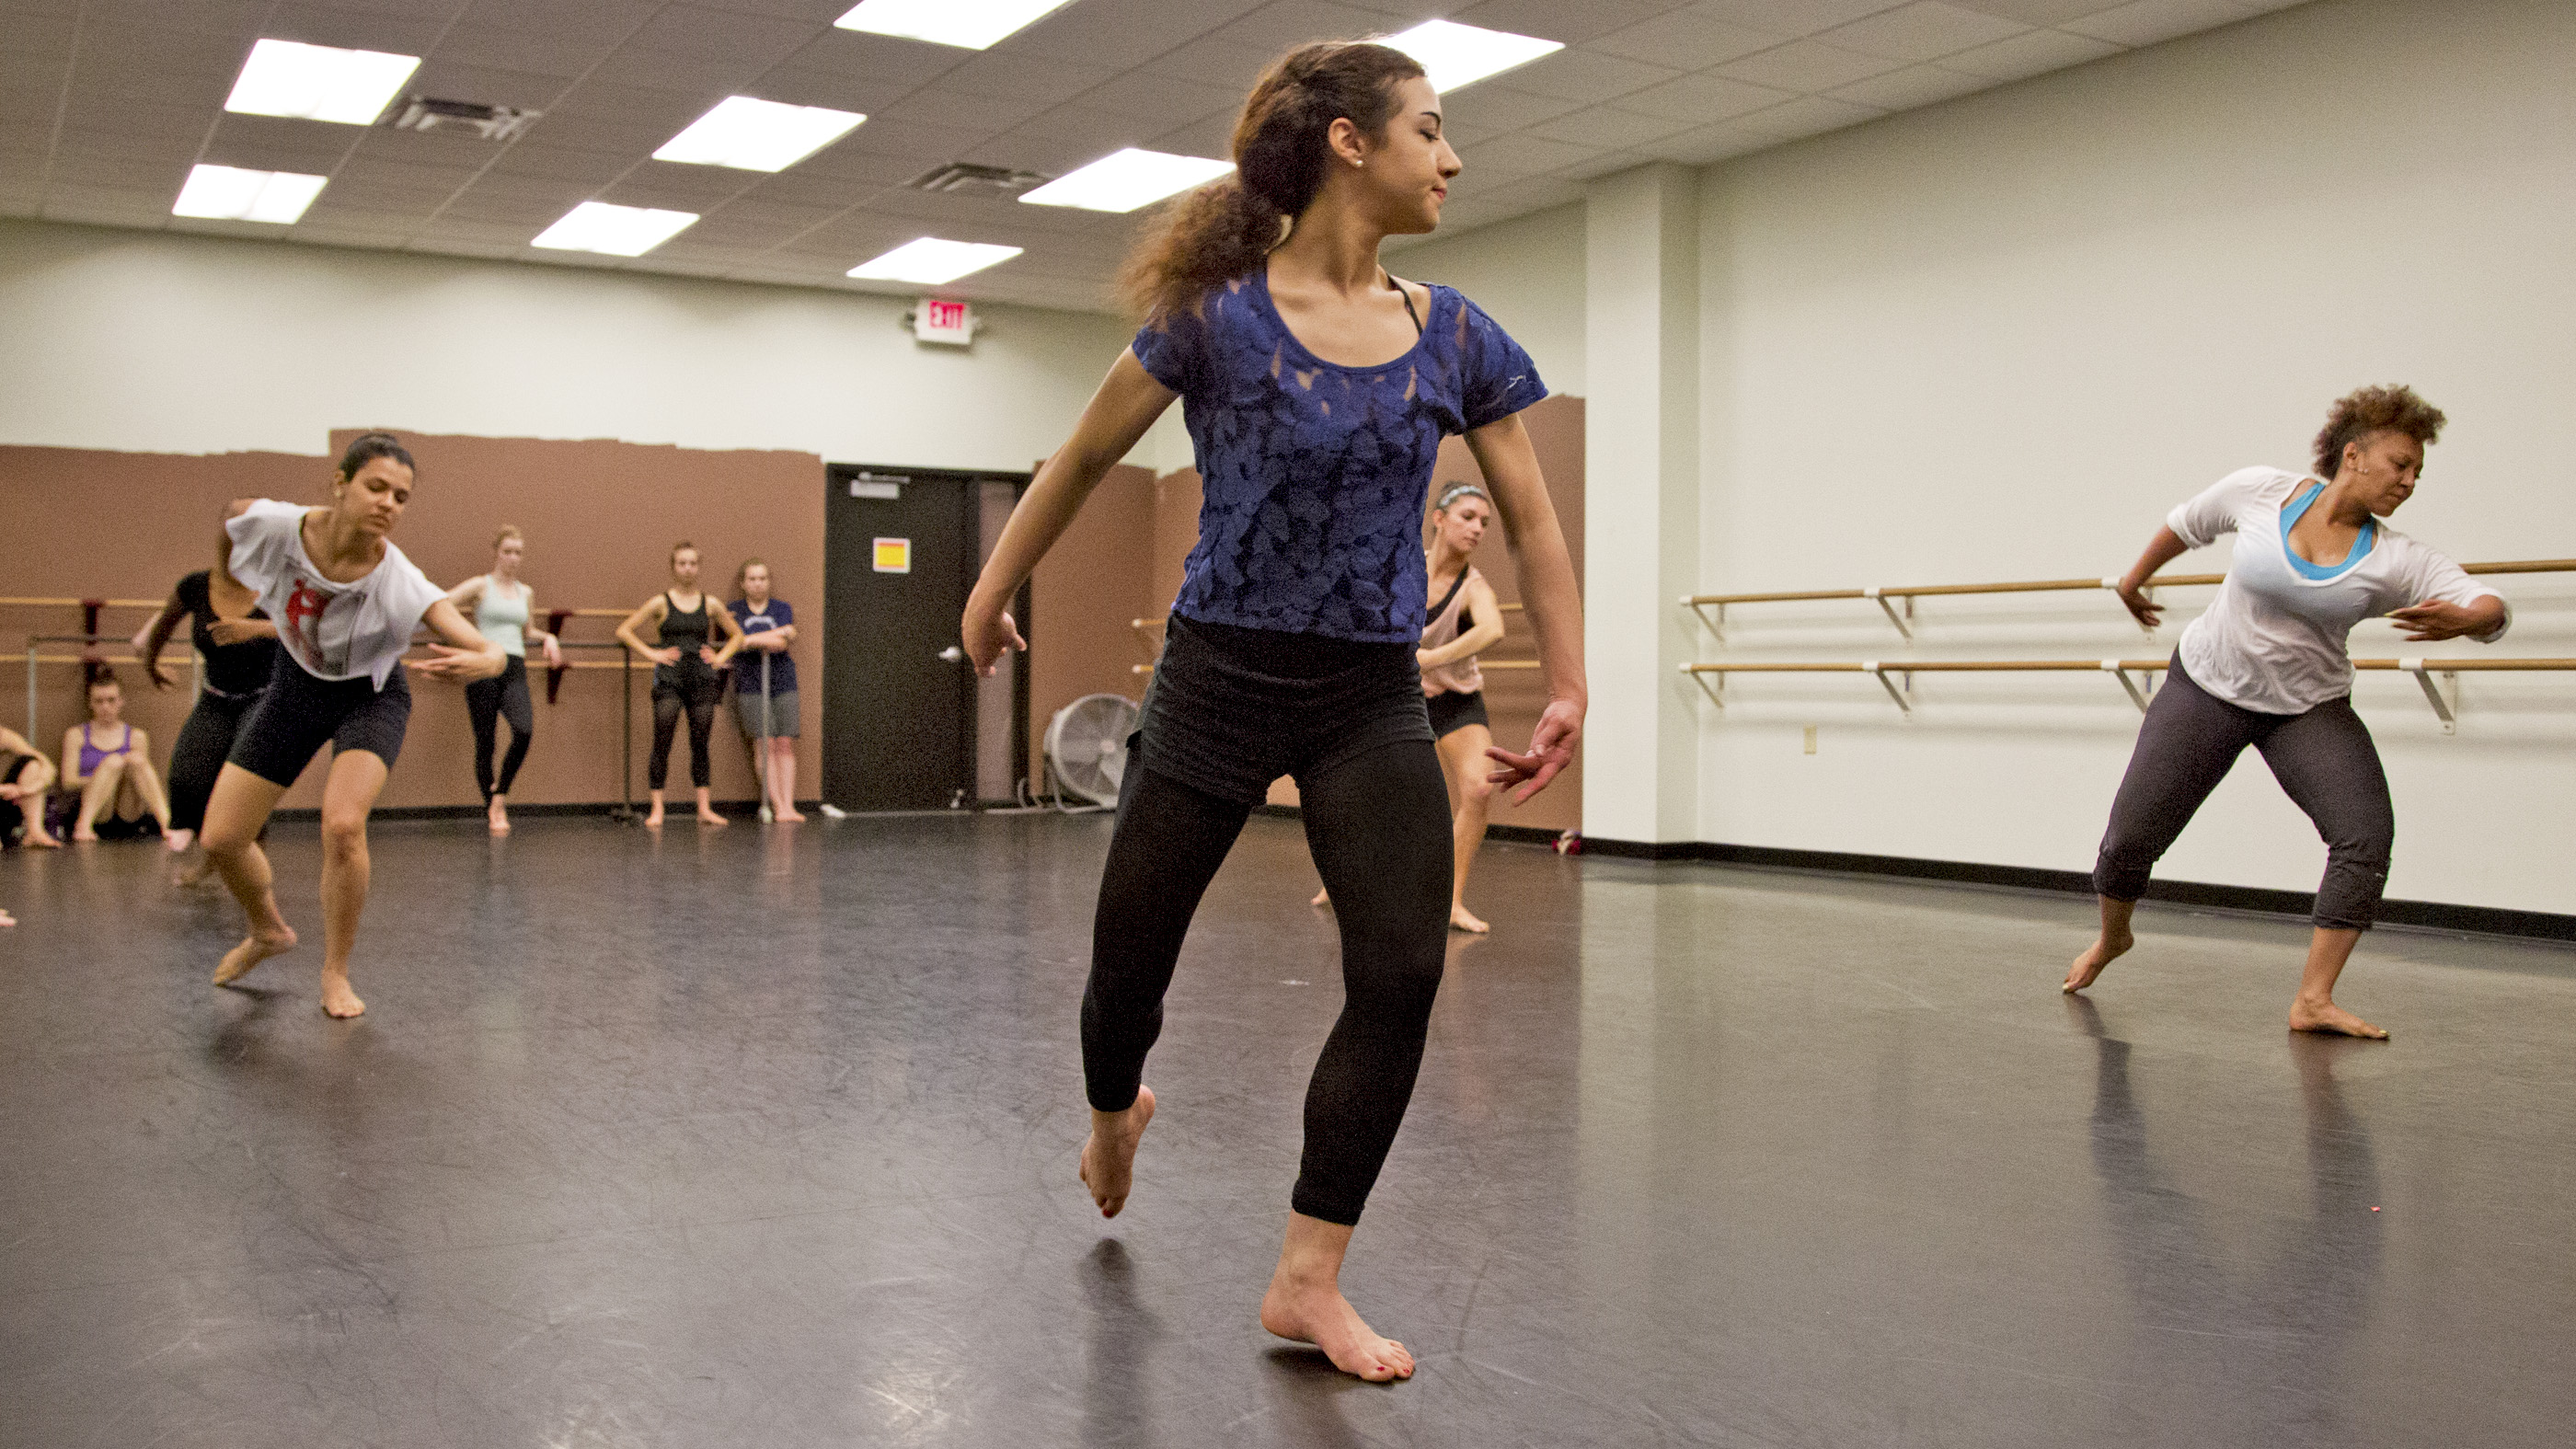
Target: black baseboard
{"x":743,"y":808}
{"x":1516,"y":834}
{"x":2422,"y":915}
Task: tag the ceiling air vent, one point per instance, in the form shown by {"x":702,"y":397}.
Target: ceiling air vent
{"x":964,"y":178}
{"x":492,"y":123}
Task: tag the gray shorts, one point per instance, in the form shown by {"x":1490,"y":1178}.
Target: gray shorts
{"x":782,"y":715}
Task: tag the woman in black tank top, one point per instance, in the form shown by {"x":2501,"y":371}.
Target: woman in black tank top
{"x":686,"y":680}
{"x":239,"y":646}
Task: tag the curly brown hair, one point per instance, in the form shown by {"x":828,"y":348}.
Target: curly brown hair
{"x":1222,"y":230}
{"x":2356,"y":415}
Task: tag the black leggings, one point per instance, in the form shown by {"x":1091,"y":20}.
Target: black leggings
{"x":2323,"y":758}
{"x":1378,"y":824}
{"x":505,"y":695}
{"x":699,"y":699}
{"x":204,"y":743}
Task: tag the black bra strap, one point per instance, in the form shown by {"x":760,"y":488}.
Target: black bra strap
{"x":1445,"y":599}
{"x":1408,"y":310}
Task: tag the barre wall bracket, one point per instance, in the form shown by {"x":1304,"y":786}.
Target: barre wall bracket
{"x":1905,"y":622}
{"x":1716,"y":624}
{"x":2140,"y":690}
{"x":1716,"y":692}
{"x":1904,"y":694}
{"x":2443,"y":695}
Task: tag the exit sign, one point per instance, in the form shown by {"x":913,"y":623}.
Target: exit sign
{"x":937,"y":319}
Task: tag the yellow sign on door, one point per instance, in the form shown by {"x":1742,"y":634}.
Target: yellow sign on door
{"x":894,"y":555}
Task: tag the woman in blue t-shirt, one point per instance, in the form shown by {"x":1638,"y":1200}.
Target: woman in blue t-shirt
{"x":1317,"y":389}
{"x":768,"y":627}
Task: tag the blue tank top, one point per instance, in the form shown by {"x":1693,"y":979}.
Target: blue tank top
{"x":1316,"y":474}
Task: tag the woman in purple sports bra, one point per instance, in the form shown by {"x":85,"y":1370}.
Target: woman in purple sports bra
{"x":110,"y":763}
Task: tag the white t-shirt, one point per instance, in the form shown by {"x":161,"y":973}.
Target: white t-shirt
{"x":336,"y":631}
{"x":2274,"y":640}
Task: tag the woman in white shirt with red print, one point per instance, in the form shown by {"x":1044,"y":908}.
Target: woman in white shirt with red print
{"x":2267,"y":666}
{"x":345,"y":601}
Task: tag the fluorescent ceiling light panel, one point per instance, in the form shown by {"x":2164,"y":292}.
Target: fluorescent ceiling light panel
{"x":229,"y":193}
{"x":973,"y":24}
{"x":930,"y":261}
{"x":751,"y":135}
{"x":1126,"y":180}
{"x":319,"y":82}
{"x":1456,"y":55}
{"x":618,"y":231}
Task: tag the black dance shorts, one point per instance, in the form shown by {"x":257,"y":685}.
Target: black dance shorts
{"x":299,"y":714}
{"x":1452,"y":712}
{"x":1232,"y":709}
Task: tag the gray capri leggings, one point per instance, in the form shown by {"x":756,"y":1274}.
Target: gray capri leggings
{"x":2323,"y":758}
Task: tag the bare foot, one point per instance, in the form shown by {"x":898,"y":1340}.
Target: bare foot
{"x":7,"y":919}
{"x":792,"y":817}
{"x":1322,"y":898}
{"x":179,"y":840}
{"x":1317,"y":1313}
{"x":653,"y":818}
{"x":497,"y":818}
{"x":1462,"y":919}
{"x":337,"y":999}
{"x":85,"y":836}
{"x":256,"y":947}
{"x":2105,"y":949}
{"x":195,"y":875}
{"x":40,"y":840}
{"x":2333,"y":1020}
{"x":1109,"y":1157}
{"x":709,"y":817}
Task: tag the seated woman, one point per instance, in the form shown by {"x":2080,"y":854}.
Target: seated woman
{"x":25,"y":776}
{"x":110,"y":763}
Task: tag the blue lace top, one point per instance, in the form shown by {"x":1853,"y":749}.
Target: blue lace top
{"x":1315,"y":474}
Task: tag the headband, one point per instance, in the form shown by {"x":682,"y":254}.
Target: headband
{"x":1456,"y":491}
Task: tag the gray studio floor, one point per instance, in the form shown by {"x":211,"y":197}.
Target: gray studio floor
{"x":767,"y":1139}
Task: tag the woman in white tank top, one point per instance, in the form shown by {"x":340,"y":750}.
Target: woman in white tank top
{"x":1462,"y":619}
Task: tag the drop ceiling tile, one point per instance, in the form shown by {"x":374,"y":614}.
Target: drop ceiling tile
{"x":553,"y":191}
{"x":802,"y":187}
{"x":366,"y":170}
{"x":1809,"y":116}
{"x":1701,"y":99}
{"x":676,"y":187}
{"x":1602,"y":126}
{"x":1916,"y":85}
{"x":351,"y":29}
{"x":912,"y":140}
{"x":612,"y":19}
{"x":1504,"y":109}
{"x":2147,"y":21}
{"x":389,"y":199}
{"x":777,"y":219}
{"x":1588,"y":76}
{"x":461,"y":150}
{"x":1164,"y":99}
{"x":876,"y":57}
{"x":217,"y":17}
{"x":1556,"y":20}
{"x":1284,"y":23}
{"x":160,"y":175}
{"x":706,"y":79}
{"x":564,"y":56}
{"x":847,"y":164}
{"x":1686,"y":39}
{"x":452,"y":229}
{"x":548,"y":163}
{"x":485,"y":85}
{"x":1608,"y":163}
{"x":1712,"y":143}
{"x":700,"y":34}
{"x":632,"y":138}
{"x":1793,"y":18}
{"x":533,"y":213}
{"x":2045,"y":12}
{"x":143,"y":118}
{"x":336,"y":234}
{"x":285,"y":145}
{"x":1807,"y":65}
{"x":1117,"y":33}
{"x":1213,"y":137}
{"x":937,"y":105}
{"x":1217,"y":61}
{"x":603,"y":102}
{"x":1507,"y":158}
{"x":1924,"y":31}
{"x":1033,"y":77}
{"x":1059,"y":141}
{"x":2030,"y":53}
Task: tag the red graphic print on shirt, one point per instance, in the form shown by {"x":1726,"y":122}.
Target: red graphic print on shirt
{"x":304,"y":609}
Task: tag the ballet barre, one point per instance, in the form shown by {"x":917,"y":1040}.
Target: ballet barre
{"x":1480,"y":664}
{"x":2441,"y":693}
{"x":35,"y":658}
{"x":1888,"y":599}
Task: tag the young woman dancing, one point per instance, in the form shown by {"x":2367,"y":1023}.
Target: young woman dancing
{"x":503,"y":605}
{"x":685,"y":675}
{"x":1463,"y":621}
{"x":346,"y":602}
{"x":1317,"y":389}
{"x":768,"y":721}
{"x":25,"y":776}
{"x":238,"y":643}
{"x":2267,"y":666}
{"x":110,"y":763}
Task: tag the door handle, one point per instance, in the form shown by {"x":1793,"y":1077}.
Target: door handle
{"x":952,"y":654}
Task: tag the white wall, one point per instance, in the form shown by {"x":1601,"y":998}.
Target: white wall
{"x":1999,"y":338}
{"x":1528,"y":273}
{"x":155,"y":343}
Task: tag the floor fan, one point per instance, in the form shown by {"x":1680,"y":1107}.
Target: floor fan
{"x":1086,"y":750}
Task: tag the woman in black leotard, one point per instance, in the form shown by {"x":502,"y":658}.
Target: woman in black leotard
{"x":1317,"y":391}
{"x":686,"y":662}
{"x":234,"y":637}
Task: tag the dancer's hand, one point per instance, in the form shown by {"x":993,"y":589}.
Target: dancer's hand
{"x":2434,"y":619}
{"x":158,"y":673}
{"x":240,"y":631}
{"x":706,"y":655}
{"x":1551,"y":750}
{"x":987,"y":632}
{"x":10,"y":792}
{"x":458,"y":666}
{"x":554,"y":653}
{"x":667,"y":654}
{"x":2145,"y":610}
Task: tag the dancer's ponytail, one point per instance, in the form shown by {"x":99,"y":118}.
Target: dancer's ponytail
{"x":1222,"y":230}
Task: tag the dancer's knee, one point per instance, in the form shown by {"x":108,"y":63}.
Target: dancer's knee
{"x":344,"y":832}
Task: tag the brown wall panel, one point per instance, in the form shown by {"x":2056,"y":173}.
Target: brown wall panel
{"x":1084,"y":598}
{"x":599,"y":516}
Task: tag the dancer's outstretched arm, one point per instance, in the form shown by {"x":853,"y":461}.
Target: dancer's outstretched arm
{"x":1503,"y":451}
{"x":1119,"y":413}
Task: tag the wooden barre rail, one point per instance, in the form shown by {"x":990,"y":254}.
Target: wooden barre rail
{"x":2041,"y":586}
{"x":1160,"y":619}
{"x":1481,"y":664}
{"x":2442,"y":695}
